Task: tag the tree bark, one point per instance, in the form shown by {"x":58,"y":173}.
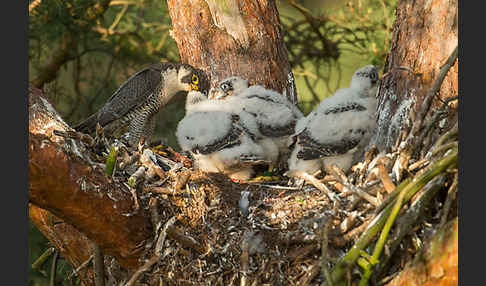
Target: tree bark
{"x":64,"y":182}
{"x":234,"y":37}
{"x":74,"y":246}
{"x":424,"y":35}
{"x":437,"y":263}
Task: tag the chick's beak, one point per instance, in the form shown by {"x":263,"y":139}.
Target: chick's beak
{"x":224,"y":95}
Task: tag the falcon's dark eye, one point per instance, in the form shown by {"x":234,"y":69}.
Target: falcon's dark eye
{"x":226,"y":86}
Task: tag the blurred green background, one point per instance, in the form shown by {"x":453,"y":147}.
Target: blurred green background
{"x":103,"y":42}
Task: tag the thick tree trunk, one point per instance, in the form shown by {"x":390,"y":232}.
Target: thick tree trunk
{"x":424,"y":35}
{"x":234,"y":37}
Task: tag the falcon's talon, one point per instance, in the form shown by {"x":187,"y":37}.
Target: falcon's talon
{"x":157,"y":150}
{"x":265,"y":178}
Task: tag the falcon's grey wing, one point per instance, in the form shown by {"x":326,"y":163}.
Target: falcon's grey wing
{"x":133,"y":92}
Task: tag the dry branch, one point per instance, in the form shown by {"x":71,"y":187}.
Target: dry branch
{"x":80,"y":193}
{"x":75,"y":247}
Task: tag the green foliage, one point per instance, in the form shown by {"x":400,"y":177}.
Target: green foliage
{"x":328,"y":41}
{"x":40,"y":277}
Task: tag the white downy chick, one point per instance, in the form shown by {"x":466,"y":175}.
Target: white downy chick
{"x":339,"y":128}
{"x":218,"y":138}
{"x":275,"y":115}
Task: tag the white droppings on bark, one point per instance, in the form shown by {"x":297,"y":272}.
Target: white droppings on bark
{"x":53,"y":112}
{"x":399,"y":119}
{"x":226,"y":15}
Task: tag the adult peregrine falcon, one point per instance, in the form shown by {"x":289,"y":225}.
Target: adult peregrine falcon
{"x":137,"y":100}
{"x":218,"y":138}
{"x":275,"y":115}
{"x":337,"y":131}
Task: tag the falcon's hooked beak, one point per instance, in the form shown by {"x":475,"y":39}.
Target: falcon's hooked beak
{"x":193,"y":87}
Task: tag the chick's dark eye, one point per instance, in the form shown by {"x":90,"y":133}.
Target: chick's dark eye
{"x":374,"y":76}
{"x":226,"y":86}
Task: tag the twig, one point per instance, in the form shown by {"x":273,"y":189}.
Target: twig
{"x":409,"y":188}
{"x":444,"y":147}
{"x":315,"y":182}
{"x":80,"y":267}
{"x":53,"y":269}
{"x":142,"y":269}
{"x":436,"y":87}
{"x":385,"y":179}
{"x":151,"y":167}
{"x":435,"y":118}
{"x":341,"y":177}
{"x":154,"y":214}
{"x":277,"y":187}
{"x":348,"y":222}
{"x":451,"y":195}
{"x":164,"y":190}
{"x":98,"y":266}
{"x":244,"y":260}
{"x":454,"y":131}
{"x":181,"y":179}
{"x":118,"y":17}
{"x":324,"y":260}
{"x":85,"y":138}
{"x":159,"y":245}
{"x":392,"y":196}
{"x":157,"y":253}
{"x":44,"y":256}
{"x":382,"y":238}
{"x":127,"y":159}
{"x":418,"y":164}
{"x":409,"y":219}
{"x":185,"y":240}
{"x":316,"y":269}
{"x":34,"y":4}
{"x":351,"y":235}
{"x":140,"y":173}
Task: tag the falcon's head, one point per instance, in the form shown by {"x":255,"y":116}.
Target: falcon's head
{"x":227,"y":87}
{"x":365,"y":77}
{"x":193,"y":78}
